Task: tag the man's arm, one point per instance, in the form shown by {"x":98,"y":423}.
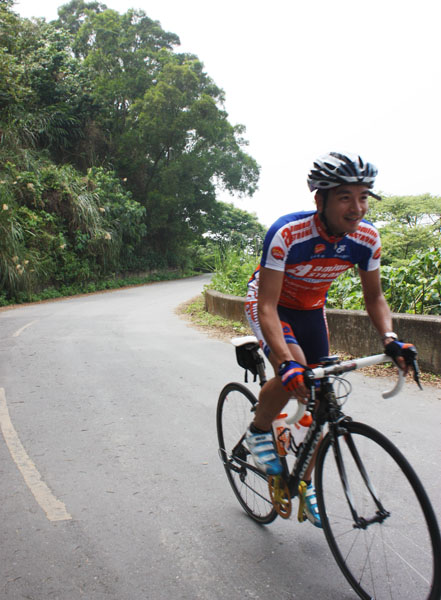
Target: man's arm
{"x":270,"y":286}
{"x":375,"y":302}
{"x":378,"y":309}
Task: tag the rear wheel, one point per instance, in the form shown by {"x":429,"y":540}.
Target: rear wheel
{"x":235,"y":411}
{"x":388,"y":545}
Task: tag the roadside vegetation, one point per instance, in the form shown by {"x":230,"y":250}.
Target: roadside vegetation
{"x":113,"y":146}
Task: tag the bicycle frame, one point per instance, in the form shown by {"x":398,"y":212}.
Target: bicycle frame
{"x":326,"y":411}
{"x":310,"y":442}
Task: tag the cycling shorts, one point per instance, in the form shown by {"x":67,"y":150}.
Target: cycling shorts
{"x":307,"y":328}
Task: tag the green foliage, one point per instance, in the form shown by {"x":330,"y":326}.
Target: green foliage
{"x":112,"y":148}
{"x":16,"y":260}
{"x":233,"y":269}
{"x":65,"y":227}
{"x":188,"y":145}
{"x":411,"y":288}
{"x":415,"y":288}
{"x":227,"y":225}
{"x":345,"y":292}
{"x":123,"y":216}
{"x":407,"y":224}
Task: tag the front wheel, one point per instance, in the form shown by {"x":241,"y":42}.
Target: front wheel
{"x":235,"y":411}
{"x":377,"y":518}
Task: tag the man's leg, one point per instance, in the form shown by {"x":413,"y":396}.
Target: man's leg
{"x":273,"y":396}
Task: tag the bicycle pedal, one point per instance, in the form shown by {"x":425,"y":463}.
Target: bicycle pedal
{"x":280,"y":496}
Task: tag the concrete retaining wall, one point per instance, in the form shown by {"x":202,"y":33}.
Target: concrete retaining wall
{"x":351,"y":330}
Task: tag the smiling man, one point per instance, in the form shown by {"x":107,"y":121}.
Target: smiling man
{"x":302,"y":255}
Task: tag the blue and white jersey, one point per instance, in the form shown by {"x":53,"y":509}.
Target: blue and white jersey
{"x":298,"y":245}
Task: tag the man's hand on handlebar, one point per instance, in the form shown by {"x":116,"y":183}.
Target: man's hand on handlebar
{"x":405,"y":356}
{"x":291,"y":375}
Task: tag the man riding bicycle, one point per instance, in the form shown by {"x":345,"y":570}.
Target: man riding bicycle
{"x":303,"y":253}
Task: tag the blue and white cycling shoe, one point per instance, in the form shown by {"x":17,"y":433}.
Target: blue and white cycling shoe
{"x":308,"y":508}
{"x":263,"y":452}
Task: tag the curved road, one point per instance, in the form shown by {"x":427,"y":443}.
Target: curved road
{"x":111,"y":487}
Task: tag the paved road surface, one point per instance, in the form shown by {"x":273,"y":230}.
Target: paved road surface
{"x":108,"y":413}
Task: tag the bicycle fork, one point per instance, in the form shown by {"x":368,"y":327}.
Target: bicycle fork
{"x":359,"y":522}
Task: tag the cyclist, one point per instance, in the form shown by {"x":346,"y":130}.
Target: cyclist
{"x":303,"y":253}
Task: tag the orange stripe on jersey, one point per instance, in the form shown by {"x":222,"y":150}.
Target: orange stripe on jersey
{"x":305,"y":285}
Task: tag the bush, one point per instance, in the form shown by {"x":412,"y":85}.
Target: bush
{"x":233,"y":269}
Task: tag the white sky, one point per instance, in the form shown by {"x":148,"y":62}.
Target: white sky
{"x":308,"y":77}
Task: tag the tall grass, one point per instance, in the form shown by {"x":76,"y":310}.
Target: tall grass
{"x":233,"y":268}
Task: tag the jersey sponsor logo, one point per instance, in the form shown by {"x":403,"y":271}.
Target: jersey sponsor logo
{"x":314,"y":271}
{"x":296,"y":232}
{"x":319,"y":248}
{"x":365,"y":234}
{"x":278,"y":253}
{"x":377,"y":253}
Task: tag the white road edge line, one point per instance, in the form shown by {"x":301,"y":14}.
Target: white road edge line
{"x":55,"y":509}
{"x":17,"y":333}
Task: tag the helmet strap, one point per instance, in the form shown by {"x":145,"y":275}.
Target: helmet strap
{"x":324,"y":220}
{"x":322,"y":214}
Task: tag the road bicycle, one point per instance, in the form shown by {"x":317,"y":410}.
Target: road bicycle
{"x":376,"y":516}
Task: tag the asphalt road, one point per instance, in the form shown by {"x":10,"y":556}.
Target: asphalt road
{"x":110,"y":483}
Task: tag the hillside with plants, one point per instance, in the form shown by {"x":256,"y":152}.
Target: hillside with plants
{"x":113,"y":146}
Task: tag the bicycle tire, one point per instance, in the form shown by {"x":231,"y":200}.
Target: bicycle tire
{"x":234,"y":414}
{"x":399,"y":558}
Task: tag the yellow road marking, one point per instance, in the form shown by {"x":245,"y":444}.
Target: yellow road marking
{"x":17,"y":333}
{"x":55,"y":509}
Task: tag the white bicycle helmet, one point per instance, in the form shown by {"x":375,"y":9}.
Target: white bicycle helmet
{"x":334,"y":169}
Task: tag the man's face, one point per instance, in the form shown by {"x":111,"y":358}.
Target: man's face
{"x":345,"y":207}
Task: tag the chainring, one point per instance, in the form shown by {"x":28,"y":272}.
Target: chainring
{"x":280,"y":496}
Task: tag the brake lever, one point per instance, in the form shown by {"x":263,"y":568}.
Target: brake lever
{"x":410,"y":356}
{"x":416,"y":373}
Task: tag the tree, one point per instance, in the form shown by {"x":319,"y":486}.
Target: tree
{"x":112,"y":147}
{"x":73,"y":14}
{"x":189,"y":148}
{"x":407,"y":224}
{"x":46,"y":91}
{"x":410,"y":211}
{"x":167,"y":132}
{"x":120,"y":53}
{"x":227,"y":225}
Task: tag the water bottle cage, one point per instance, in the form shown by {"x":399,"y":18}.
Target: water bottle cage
{"x":294,"y":448}
{"x":286,"y":442}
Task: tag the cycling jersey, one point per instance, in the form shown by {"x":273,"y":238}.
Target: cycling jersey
{"x":298,"y":245}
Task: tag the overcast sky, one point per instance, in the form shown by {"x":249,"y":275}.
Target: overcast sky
{"x":307,"y":77}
